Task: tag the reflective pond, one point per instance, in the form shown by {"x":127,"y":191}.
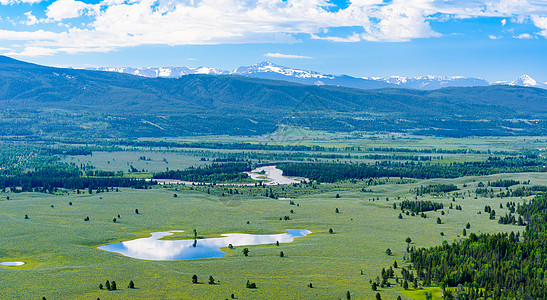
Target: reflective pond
{"x":11,"y":263}
{"x":152,"y":248}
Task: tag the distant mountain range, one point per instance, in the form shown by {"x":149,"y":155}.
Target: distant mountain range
{"x":46,"y":101}
{"x":268,"y":70}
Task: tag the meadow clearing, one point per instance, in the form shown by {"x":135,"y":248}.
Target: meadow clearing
{"x":63,"y":262}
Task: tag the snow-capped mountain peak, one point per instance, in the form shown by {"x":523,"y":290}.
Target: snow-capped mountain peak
{"x":268,"y":67}
{"x":523,"y":80}
{"x":269,"y":70}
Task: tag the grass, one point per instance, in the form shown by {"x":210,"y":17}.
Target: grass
{"x":63,"y":262}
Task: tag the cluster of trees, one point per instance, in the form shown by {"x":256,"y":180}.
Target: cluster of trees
{"x":216,"y":172}
{"x":510,"y":219}
{"x":332,"y":172}
{"x":492,"y":265}
{"x":503,"y":183}
{"x":56,"y":176}
{"x":523,"y":191}
{"x":435,"y":189}
{"x":418,"y":206}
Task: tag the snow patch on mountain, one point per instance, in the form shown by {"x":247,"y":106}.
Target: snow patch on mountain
{"x":268,"y":70}
{"x":268,"y":67}
{"x":523,"y":80}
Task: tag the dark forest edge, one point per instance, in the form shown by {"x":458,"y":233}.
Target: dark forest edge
{"x":485,"y":266}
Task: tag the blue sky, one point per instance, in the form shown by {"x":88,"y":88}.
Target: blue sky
{"x":493,"y":39}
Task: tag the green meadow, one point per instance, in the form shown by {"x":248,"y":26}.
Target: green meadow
{"x":63,"y":262}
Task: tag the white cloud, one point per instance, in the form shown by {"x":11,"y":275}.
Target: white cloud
{"x":11,"y":2}
{"x":280,"y":55}
{"x":355,"y":37}
{"x":494,"y":37}
{"x":33,"y":51}
{"x":31,"y":20}
{"x":66,"y":9}
{"x":125,"y":23}
{"x":541,"y":23}
{"x":523,"y":36}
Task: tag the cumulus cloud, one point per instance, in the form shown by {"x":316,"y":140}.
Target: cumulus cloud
{"x":541,"y":23}
{"x":524,"y":36}
{"x":31,"y":20}
{"x":66,"y":9}
{"x":112,"y":24}
{"x":503,"y":22}
{"x":280,"y":55}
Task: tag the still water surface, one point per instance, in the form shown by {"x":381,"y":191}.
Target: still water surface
{"x":152,"y":248}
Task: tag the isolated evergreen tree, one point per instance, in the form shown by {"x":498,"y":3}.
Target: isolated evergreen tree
{"x":468,"y":225}
{"x":405,"y":285}
{"x":348,"y":295}
{"x":378,"y":296}
{"x":107,"y":285}
{"x":439,"y":220}
{"x":281,"y":254}
{"x":245,"y":251}
{"x":211,"y":280}
{"x":137,"y":211}
{"x":331,"y":231}
{"x":131,"y":284}
{"x":388,"y":251}
{"x":374,"y":286}
{"x":194,"y":278}
{"x":113,"y":285}
{"x":100,"y":286}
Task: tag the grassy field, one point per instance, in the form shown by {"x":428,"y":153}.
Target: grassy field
{"x":62,"y":261}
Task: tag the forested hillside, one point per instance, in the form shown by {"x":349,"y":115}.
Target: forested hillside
{"x":38,"y":100}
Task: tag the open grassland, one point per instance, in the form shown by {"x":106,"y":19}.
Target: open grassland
{"x":342,"y":148}
{"x":62,"y":261}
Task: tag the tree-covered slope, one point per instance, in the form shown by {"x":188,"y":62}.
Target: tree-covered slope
{"x":44,"y":100}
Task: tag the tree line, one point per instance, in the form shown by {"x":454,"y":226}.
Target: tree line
{"x":332,"y":172}
{"x":492,"y":265}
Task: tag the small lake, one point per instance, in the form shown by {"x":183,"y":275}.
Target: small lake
{"x":153,"y":248}
{"x":11,"y":263}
